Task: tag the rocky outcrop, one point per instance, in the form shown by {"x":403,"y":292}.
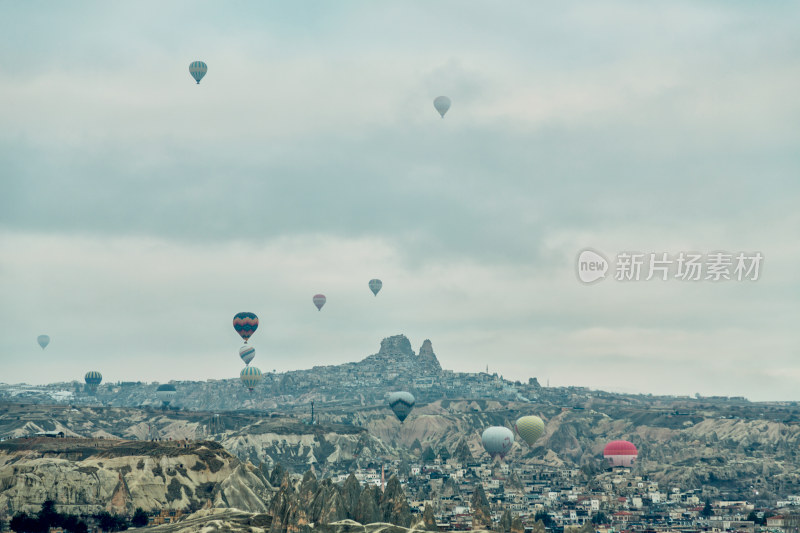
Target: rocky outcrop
{"x":427,"y":357}
{"x":397,"y":346}
{"x":428,"y":520}
{"x":297,"y":506}
{"x":396,"y":354}
{"x":394,"y":506}
{"x":300,"y":447}
{"x":462,"y":453}
{"x":481,"y":512}
{"x":86,"y":476}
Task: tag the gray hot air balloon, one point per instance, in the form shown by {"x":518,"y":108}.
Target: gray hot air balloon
{"x":442,"y":104}
{"x":497,"y":441}
{"x":401,"y":403}
{"x":43,"y":341}
{"x":166,"y":393}
{"x":375,"y":286}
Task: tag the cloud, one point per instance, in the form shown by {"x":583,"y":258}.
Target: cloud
{"x":311,"y":159}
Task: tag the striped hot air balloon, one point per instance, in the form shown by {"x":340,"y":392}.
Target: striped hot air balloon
{"x":319,"y":300}
{"x":245,"y":324}
{"x":620,"y":453}
{"x":401,"y":403}
{"x":530,"y":428}
{"x":93,"y":379}
{"x":198,"y":69}
{"x":250,"y":376}
{"x":247,"y":353}
{"x":166,"y":393}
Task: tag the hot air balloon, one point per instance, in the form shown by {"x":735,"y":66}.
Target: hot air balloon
{"x":166,"y":393}
{"x":247,"y":353}
{"x":497,"y":441}
{"x":530,"y":428}
{"x":43,"y":341}
{"x":620,"y":453}
{"x":198,"y":69}
{"x":319,"y":301}
{"x":401,"y":403}
{"x":93,"y":379}
{"x":442,"y":104}
{"x":245,"y":324}
{"x":250,"y":376}
{"x":375,"y":286}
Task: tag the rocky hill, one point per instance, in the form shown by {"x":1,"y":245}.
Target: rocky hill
{"x":395,"y":366}
{"x":728,"y":445}
{"x":86,"y":476}
{"x":720,"y":447}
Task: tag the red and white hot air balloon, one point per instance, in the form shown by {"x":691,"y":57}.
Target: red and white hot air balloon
{"x":620,"y":453}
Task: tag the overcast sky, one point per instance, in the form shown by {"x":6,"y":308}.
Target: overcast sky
{"x":139,"y":211}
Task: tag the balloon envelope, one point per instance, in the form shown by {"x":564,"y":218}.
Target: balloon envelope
{"x":620,"y":453}
{"x":375,"y":286}
{"x":93,"y":379}
{"x":442,"y":104}
{"x":43,"y":341}
{"x":245,"y":324}
{"x":319,"y":301}
{"x":198,"y":69}
{"x":530,"y":428}
{"x":497,"y":441}
{"x":401,"y":403}
{"x":250,"y":376}
{"x":247,"y":353}
{"x":166,"y":393}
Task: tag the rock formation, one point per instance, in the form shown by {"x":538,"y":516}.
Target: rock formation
{"x":86,"y":476}
{"x":311,"y":502}
{"x":427,"y":356}
{"x":481,"y":512}
{"x":428,"y":519}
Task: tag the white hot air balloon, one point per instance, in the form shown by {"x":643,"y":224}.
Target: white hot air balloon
{"x":497,"y":441}
{"x":442,"y":104}
{"x":247,"y":353}
{"x":166,"y":393}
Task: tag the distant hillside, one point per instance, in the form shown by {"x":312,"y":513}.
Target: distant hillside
{"x":722,"y":446}
{"x":729,"y":445}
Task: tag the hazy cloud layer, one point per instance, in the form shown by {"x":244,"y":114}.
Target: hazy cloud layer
{"x":140,"y":211}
